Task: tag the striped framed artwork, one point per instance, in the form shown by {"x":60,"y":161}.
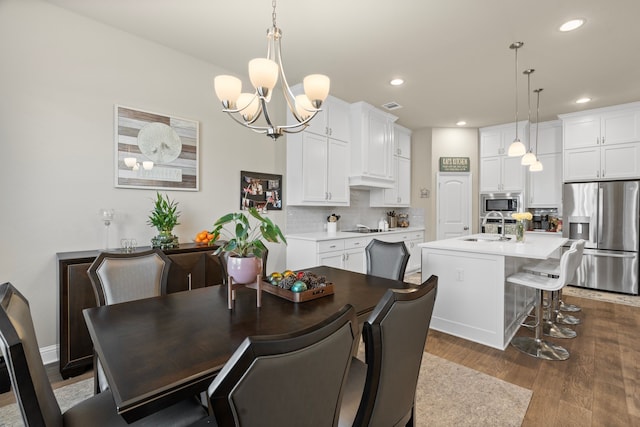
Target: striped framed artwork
{"x":155,"y":151}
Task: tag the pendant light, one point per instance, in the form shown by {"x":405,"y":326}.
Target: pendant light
{"x":537,"y":166}
{"x":516,"y":148}
{"x":529,"y":158}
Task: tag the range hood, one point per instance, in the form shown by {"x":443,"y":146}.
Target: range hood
{"x":363,"y":182}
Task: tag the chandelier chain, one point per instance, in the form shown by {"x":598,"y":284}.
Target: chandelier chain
{"x":273,"y":14}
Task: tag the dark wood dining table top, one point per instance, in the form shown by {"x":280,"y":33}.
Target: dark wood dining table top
{"x":157,"y":351}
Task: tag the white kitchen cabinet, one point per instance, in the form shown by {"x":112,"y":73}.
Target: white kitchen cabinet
{"x":371,"y":147}
{"x":612,"y":125}
{"x":501,"y":174}
{"x":347,"y":254}
{"x":545,"y":187}
{"x":602,"y":144}
{"x":498,"y":171}
{"x":318,"y":163}
{"x":333,"y":121}
{"x":400,"y":194}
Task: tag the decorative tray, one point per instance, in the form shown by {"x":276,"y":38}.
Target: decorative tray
{"x":303,"y":296}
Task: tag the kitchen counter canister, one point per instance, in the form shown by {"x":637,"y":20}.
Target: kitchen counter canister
{"x":474,"y":301}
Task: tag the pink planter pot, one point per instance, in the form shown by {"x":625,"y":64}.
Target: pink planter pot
{"x":243,"y":270}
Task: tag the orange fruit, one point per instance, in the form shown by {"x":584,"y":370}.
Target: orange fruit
{"x":202,"y":235}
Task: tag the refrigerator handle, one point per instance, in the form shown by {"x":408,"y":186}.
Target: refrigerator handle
{"x":600,"y":213}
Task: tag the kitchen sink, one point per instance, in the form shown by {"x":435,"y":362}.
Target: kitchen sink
{"x":487,"y":239}
{"x":364,"y":230}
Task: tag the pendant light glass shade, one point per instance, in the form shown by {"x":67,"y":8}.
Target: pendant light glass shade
{"x":536,"y":167}
{"x":516,"y":148}
{"x":528,"y":159}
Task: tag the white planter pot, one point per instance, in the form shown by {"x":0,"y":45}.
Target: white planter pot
{"x":243,"y":270}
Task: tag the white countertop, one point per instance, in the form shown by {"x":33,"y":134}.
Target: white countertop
{"x":535,"y":246}
{"x":323,"y":235}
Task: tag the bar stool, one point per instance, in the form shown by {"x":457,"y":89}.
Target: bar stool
{"x":537,"y":347}
{"x":552,"y":268}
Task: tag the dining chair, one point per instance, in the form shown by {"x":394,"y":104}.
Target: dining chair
{"x":381,"y":391}
{"x":293,"y":379}
{"x":387,"y":259}
{"x":121,"y":277}
{"x":33,"y":391}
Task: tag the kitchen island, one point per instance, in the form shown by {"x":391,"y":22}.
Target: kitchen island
{"x":474,"y":301}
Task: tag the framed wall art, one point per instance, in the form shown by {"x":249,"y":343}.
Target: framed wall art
{"x":155,"y":151}
{"x":262,"y":191}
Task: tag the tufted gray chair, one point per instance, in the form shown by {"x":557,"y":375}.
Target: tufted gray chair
{"x":381,"y":392}
{"x":386,"y":259}
{"x":121,"y":277}
{"x":33,"y":391}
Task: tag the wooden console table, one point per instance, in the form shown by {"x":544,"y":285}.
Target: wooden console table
{"x":192,"y":266}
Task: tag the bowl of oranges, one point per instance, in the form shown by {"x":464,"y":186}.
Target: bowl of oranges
{"x":203,"y":237}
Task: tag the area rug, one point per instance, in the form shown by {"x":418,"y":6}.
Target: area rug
{"x":67,"y":396}
{"x":448,"y":394}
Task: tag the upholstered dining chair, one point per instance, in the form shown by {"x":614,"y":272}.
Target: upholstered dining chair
{"x":292,"y":379}
{"x":33,"y":391}
{"x":381,"y":392}
{"x":387,"y":259}
{"x":121,"y":277}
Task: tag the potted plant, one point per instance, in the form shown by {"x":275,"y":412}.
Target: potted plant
{"x":243,"y":243}
{"x":164,"y":217}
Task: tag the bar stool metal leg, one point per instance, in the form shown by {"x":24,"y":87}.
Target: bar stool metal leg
{"x":571,"y":308}
{"x":550,"y":327}
{"x":537,"y":347}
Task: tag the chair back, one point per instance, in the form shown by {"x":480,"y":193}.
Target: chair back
{"x":121,"y":277}
{"x":568,"y":264}
{"x":387,"y":259}
{"x":285,"y":380}
{"x":395,"y":336}
{"x":29,"y":379}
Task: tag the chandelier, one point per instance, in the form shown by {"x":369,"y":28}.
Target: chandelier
{"x":516,"y":148}
{"x":246,"y":108}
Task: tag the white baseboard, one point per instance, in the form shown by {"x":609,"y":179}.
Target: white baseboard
{"x":49,"y":354}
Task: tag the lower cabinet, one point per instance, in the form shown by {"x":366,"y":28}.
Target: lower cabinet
{"x":348,"y":253}
{"x":192,"y":266}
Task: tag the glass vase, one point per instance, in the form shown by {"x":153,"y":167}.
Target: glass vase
{"x":519,"y":231}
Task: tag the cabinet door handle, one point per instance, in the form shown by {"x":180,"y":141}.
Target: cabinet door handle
{"x":603,"y":140}
{"x":597,"y":174}
{"x":329,"y":195}
{"x":603,"y":171}
{"x":346,"y":257}
{"x":332,"y":246}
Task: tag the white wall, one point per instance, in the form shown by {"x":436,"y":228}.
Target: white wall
{"x":421,"y":177}
{"x":60,"y":77}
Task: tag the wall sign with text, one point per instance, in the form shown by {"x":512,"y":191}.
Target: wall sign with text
{"x":454,"y":164}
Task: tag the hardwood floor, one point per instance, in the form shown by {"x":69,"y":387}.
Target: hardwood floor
{"x":598,"y":386}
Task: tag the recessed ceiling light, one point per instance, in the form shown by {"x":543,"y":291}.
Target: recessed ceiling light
{"x":574,"y":24}
{"x":461,"y":123}
{"x":396,"y":82}
{"x":583,"y":100}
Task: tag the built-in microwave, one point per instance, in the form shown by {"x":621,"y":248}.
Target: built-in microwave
{"x":504,"y":203}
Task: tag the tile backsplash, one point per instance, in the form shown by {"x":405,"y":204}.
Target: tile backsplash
{"x":307,"y":219}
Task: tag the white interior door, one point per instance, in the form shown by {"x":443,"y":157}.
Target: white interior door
{"x":453,"y":205}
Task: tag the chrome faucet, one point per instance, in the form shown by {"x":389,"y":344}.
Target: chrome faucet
{"x":484,"y":222}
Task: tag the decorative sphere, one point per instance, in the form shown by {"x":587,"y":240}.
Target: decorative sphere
{"x":299,"y":286}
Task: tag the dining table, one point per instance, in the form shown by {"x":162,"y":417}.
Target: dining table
{"x":158,"y":351}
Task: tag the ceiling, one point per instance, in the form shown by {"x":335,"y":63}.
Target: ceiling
{"x":453,"y":54}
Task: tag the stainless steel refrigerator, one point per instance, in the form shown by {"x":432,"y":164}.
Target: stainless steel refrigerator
{"x":606,"y":215}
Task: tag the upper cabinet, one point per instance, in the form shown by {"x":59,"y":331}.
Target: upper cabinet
{"x":602,"y":144}
{"x":400,"y":194}
{"x":318,"y":158}
{"x":371,"y":147}
{"x":545,"y":187}
{"x":498,"y":171}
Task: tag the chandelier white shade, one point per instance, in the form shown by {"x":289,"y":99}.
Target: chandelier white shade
{"x":516,"y":148}
{"x":264,"y":73}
